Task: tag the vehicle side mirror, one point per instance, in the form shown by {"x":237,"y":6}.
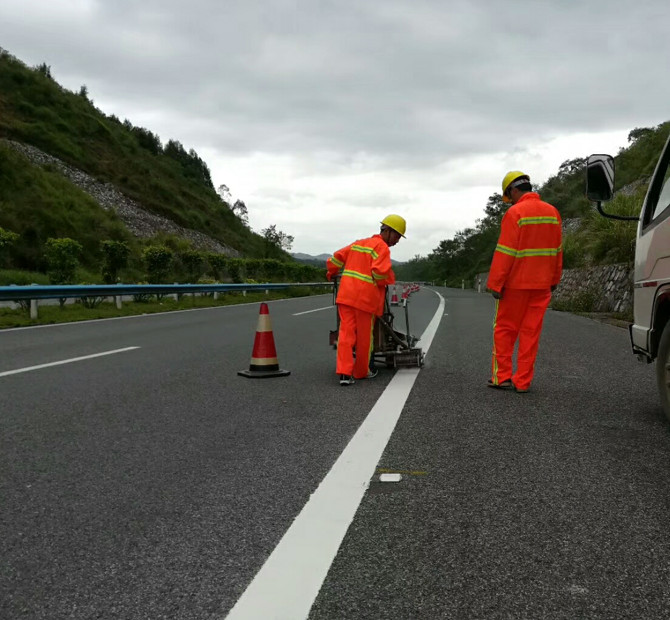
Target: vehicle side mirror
{"x":600,"y":178}
{"x":600,"y":184}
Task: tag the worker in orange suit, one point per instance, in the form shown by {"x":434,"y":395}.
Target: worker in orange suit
{"x":366,"y":272}
{"x":526,"y":269}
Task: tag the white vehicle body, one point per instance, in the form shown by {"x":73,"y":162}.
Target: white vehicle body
{"x":652,"y":263}
{"x":650,"y":331}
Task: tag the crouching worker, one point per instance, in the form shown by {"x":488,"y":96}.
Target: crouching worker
{"x":366,"y":271}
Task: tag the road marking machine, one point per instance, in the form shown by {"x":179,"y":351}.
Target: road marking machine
{"x":394,"y":348}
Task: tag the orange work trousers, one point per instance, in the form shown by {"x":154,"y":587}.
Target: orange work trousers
{"x":355,"y":332}
{"x":519,"y":314}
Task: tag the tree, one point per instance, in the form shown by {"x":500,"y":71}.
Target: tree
{"x":193,"y":262}
{"x":217,"y":264}
{"x":637,"y":133}
{"x":241,"y":212}
{"x":115,"y":258}
{"x":63,"y":259}
{"x":7,"y":240}
{"x":276,"y":240}
{"x":224,"y":194}
{"x":571,"y":166}
{"x":45,"y":70}
{"x":235,"y":267}
{"x":158,"y":261}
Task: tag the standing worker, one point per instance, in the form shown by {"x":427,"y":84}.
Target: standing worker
{"x":366,"y":271}
{"x":525,"y":270}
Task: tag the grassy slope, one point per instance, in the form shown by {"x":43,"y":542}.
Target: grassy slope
{"x":39,"y":204}
{"x":36,"y":110}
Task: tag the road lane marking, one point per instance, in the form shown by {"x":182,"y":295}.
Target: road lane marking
{"x":74,"y":359}
{"x":317,"y":310}
{"x":287,"y":585}
{"x":383,"y":470}
{"x":140,"y":316}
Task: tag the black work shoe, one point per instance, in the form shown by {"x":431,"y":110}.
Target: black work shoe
{"x":346,"y":380}
{"x":372,"y":373}
{"x":503,"y":385}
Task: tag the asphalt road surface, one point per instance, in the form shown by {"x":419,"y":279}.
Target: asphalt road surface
{"x":153,"y":482}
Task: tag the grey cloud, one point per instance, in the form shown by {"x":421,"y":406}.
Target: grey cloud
{"x":411,"y":84}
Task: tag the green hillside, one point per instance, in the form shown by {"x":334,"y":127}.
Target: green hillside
{"x":165,"y":178}
{"x":593,"y":240}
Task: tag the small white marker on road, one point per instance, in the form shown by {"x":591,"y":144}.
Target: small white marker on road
{"x":390,"y":477}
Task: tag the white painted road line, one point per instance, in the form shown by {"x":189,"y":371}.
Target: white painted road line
{"x":288,"y":583}
{"x":74,"y":359}
{"x":10,"y":330}
{"x":317,"y":310}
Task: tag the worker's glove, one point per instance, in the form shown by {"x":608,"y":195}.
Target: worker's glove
{"x":496,"y":294}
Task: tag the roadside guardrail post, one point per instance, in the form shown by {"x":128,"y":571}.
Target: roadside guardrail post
{"x":33,"y":306}
{"x":118,"y":299}
{"x":176,"y":295}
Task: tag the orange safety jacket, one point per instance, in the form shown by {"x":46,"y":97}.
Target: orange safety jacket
{"x":529,"y":253}
{"x":366,"y":271}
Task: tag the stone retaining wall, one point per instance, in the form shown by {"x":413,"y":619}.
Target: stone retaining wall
{"x":137,"y":219}
{"x":606,"y":288}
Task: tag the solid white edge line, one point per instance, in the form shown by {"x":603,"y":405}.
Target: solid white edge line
{"x":287,"y":585}
{"x":59,"y":363}
{"x":310,"y":311}
{"x":144,"y":316}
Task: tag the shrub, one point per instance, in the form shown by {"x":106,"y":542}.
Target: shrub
{"x":613,"y":241}
{"x":158,"y":262}
{"x":235,"y":267}
{"x":7,"y":240}
{"x":207,"y":281}
{"x":62,"y":258}
{"x":115,"y":258}
{"x":142,"y":298}
{"x":217,"y":264}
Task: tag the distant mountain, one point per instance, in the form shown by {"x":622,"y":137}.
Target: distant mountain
{"x":299,"y":256}
{"x":321,"y":259}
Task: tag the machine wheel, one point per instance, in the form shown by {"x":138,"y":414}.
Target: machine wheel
{"x":663,"y":369}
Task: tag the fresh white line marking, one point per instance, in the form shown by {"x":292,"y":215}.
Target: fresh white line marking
{"x":288,"y":583}
{"x":74,"y":359}
{"x":308,"y":311}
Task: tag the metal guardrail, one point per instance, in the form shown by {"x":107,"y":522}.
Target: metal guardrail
{"x":26,"y":293}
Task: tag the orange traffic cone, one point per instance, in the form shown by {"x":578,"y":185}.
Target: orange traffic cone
{"x":264,"y":361}
{"x":394,"y":297}
{"x":405,"y":294}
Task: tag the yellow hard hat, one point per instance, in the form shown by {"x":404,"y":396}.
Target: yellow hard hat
{"x":395,"y":222}
{"x":510,"y":177}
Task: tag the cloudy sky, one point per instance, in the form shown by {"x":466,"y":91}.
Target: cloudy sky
{"x":326,"y":115}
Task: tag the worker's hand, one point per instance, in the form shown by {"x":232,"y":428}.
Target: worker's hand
{"x":496,"y":294}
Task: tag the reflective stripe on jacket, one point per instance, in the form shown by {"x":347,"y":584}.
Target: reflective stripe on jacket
{"x":528,"y":254}
{"x":366,"y":270}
